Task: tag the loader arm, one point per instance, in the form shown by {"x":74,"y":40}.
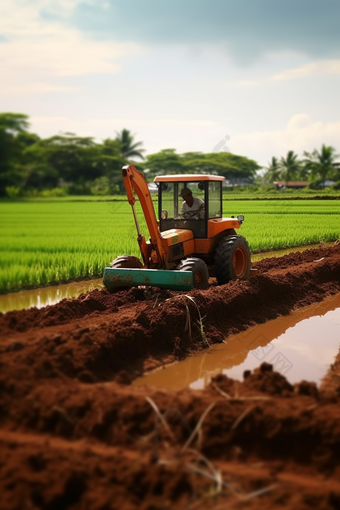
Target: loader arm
{"x":134,"y":182}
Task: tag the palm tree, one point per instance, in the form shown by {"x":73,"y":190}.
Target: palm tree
{"x":129,"y":149}
{"x":322,"y":163}
{"x":13,"y":122}
{"x":289,"y":166}
{"x":273,"y":171}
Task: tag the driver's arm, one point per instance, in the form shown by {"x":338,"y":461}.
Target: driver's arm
{"x":183,"y":211}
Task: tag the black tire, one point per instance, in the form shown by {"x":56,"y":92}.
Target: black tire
{"x":126,"y":261}
{"x":232,"y":259}
{"x":199,"y":271}
{"x":122,"y":262}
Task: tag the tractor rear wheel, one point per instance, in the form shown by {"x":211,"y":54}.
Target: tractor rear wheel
{"x":126,"y":261}
{"x":232,"y":259}
{"x":199,"y":271}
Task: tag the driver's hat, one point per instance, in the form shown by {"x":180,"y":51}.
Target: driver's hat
{"x":185,"y":191}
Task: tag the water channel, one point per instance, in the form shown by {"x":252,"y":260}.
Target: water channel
{"x":301,"y":345}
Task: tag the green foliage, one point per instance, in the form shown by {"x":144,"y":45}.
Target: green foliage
{"x":290,"y":166}
{"x":321,"y":164}
{"x":74,"y":158}
{"x":30,"y":163}
{"x":167,"y":162}
{"x":316,"y":166}
{"x":234,"y":168}
{"x":273,"y":171}
{"x":12,"y":127}
{"x":13,"y":123}
{"x":103,"y":187}
{"x":336,"y":186}
{"x":55,"y":192}
{"x":128,"y":149}
{"x":80,"y":189}
{"x":12,"y":191}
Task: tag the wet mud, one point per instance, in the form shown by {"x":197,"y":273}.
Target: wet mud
{"x":75,"y":433}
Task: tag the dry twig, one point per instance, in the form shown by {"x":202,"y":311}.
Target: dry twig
{"x":241,"y":417}
{"x":160,"y":416}
{"x":198,"y":427}
{"x":237,"y":398}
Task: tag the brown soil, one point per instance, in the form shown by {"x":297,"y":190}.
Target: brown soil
{"x":74,"y":433}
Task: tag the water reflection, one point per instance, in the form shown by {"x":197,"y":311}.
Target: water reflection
{"x":300,"y":346}
{"x":46,"y":295}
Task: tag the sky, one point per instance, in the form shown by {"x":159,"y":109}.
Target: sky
{"x":254,"y":77}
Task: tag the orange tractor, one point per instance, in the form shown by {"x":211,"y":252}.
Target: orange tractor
{"x":190,"y":242}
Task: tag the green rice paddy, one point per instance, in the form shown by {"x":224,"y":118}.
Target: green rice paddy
{"x":51,"y":242}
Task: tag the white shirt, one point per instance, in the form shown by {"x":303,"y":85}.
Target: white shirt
{"x":196,"y":211}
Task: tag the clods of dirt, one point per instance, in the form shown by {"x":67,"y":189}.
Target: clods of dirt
{"x":76,"y":434}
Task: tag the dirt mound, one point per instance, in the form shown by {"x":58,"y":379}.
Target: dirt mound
{"x":76,"y":434}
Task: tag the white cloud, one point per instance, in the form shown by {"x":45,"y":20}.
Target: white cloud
{"x":61,"y":52}
{"x":153,"y":129}
{"x":28,"y":88}
{"x":321,"y":68}
{"x":248,"y":83}
{"x":21,"y":18}
{"x":37,"y":52}
{"x":300,"y":134}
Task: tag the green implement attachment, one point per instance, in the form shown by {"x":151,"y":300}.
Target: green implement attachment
{"x":119,"y":278}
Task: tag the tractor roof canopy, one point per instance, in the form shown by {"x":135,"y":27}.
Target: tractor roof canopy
{"x":188,"y":178}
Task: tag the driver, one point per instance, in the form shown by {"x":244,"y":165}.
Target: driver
{"x":192,"y":208}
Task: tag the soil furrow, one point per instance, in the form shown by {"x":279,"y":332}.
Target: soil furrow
{"x":74,"y":433}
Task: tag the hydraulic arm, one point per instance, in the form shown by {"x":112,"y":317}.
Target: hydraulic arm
{"x":134,"y":181}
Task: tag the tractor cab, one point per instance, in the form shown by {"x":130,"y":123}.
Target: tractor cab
{"x":189,"y":202}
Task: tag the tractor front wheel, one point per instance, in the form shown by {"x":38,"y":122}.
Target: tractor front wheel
{"x":232,"y":259}
{"x":126,"y":261}
{"x":199,"y":271}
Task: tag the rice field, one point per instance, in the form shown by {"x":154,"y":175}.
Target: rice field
{"x":52,"y":242}
{"x":272,"y":225}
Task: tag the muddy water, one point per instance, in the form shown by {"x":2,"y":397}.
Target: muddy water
{"x":300,"y":346}
{"x":46,"y":295}
{"x":53,"y":294}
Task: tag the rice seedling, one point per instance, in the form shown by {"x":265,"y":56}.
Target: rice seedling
{"x":52,"y":242}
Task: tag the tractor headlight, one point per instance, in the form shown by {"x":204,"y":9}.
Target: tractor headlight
{"x":240,"y":218}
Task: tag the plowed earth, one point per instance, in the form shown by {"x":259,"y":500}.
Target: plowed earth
{"x":74,"y":433}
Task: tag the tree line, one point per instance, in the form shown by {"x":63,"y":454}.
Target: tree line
{"x":66,"y":162}
{"x":70,"y":164}
{"x":80,"y":165}
{"x":315,"y":167}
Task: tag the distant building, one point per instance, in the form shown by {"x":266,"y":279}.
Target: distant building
{"x":328,"y":183}
{"x":238,"y":181}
